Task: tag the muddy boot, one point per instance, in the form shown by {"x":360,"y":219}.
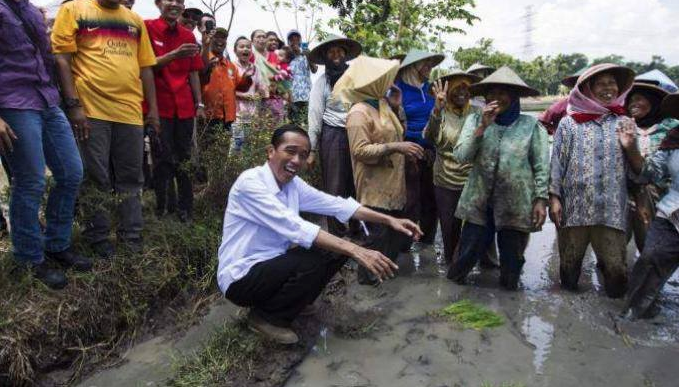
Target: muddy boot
{"x":278,"y":334}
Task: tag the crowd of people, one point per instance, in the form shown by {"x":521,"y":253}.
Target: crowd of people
{"x":401,"y":155}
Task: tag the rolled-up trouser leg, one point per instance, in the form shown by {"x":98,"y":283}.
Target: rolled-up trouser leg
{"x":573,"y":242}
{"x":610,"y":247}
{"x":658,"y":261}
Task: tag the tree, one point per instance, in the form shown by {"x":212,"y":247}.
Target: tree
{"x":214,"y":6}
{"x":302,"y":10}
{"x":389,"y":27}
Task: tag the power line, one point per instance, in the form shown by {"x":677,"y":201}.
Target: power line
{"x":528,"y":31}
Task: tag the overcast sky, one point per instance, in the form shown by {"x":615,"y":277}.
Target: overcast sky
{"x":636,"y":29}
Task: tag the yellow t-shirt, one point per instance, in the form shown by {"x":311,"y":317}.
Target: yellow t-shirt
{"x":109,"y":47}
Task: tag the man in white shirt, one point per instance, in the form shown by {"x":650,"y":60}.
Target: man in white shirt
{"x":257,"y":266}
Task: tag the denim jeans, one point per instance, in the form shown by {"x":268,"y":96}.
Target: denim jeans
{"x":44,"y":138}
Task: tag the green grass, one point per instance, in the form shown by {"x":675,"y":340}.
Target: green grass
{"x":229,"y":349}
{"x":471,"y":315}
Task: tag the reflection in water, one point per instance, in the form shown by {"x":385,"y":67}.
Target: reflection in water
{"x":539,"y":333}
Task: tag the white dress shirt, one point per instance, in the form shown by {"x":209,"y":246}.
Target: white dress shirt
{"x":262,"y":220}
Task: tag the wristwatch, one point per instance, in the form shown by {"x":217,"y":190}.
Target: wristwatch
{"x":70,"y":103}
{"x":200,"y":105}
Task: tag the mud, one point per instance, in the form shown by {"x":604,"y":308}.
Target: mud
{"x":551,"y":337}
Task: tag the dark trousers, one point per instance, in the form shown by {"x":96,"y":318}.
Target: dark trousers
{"x":338,"y":175}
{"x":420,"y":197}
{"x":384,"y":239}
{"x":171,"y":161}
{"x":658,"y":261}
{"x":277,"y":290}
{"x":446,"y":203}
{"x":474,"y":242}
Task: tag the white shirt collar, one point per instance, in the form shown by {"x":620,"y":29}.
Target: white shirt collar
{"x":270,"y":179}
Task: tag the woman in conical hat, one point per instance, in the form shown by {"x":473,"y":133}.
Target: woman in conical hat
{"x":588,"y":185}
{"x":643,"y":103}
{"x":378,"y":152}
{"x":451,"y":108}
{"x":507,"y":188}
{"x":413,"y":81}
{"x":327,"y":121}
{"x":660,"y":257}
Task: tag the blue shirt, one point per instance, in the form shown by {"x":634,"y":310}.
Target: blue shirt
{"x":262,"y":220}
{"x":589,"y":173}
{"x":417,"y":104}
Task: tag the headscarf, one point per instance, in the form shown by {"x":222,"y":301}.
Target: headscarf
{"x":369,"y":79}
{"x":333,"y":71}
{"x":511,"y":114}
{"x":654,"y":115}
{"x":584,"y":107}
{"x":453,"y":83}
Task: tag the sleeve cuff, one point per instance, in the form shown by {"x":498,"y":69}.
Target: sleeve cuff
{"x":308,"y":234}
{"x":348,"y":210}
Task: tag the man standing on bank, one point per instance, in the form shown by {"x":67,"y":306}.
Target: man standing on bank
{"x":259,"y":268}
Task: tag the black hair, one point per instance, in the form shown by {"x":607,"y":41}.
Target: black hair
{"x":235,"y":44}
{"x":289,"y":54}
{"x":271,"y":33}
{"x":208,"y":15}
{"x":252,"y":35}
{"x":277,"y":136}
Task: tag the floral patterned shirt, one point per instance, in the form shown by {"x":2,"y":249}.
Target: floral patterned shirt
{"x":649,"y":139}
{"x":301,"y":79}
{"x":589,"y":173}
{"x":510,"y":172}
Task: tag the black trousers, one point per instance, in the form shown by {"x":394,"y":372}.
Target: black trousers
{"x":420,"y":197}
{"x":278,"y":289}
{"x":446,"y":203}
{"x":172,"y":162}
{"x":654,"y":267}
{"x":336,"y":169}
{"x":474,"y":242}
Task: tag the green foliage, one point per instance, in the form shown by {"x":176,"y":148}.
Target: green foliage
{"x":471,"y":315}
{"x":389,"y":27}
{"x":545,"y":72}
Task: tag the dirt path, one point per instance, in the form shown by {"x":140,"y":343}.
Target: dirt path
{"x":551,"y":338}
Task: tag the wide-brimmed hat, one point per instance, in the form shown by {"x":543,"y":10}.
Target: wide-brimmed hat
{"x":415,"y":56}
{"x":457,"y":73}
{"x":478,"y":67}
{"x":670,"y":105}
{"x":506,"y":78}
{"x":352,"y":48}
{"x":398,"y":57}
{"x":659,"y":92}
{"x":623,"y":75}
{"x":572,"y":79}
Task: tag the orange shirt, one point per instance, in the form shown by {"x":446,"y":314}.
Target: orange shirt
{"x":219,"y":95}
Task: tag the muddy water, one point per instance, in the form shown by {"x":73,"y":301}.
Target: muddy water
{"x":550,"y":338}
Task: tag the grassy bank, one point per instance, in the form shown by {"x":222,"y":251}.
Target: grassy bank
{"x":101,"y":312}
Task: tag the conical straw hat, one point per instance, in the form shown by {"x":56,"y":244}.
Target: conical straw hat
{"x":415,"y":56}
{"x":504,"y":77}
{"x":623,"y":75}
{"x":457,"y":73}
{"x":479,"y":67}
{"x":352,"y":48}
{"x":572,"y":79}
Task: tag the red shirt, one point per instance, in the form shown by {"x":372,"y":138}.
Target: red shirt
{"x":173,"y":91}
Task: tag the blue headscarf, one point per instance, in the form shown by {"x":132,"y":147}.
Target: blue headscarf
{"x":510,"y":115}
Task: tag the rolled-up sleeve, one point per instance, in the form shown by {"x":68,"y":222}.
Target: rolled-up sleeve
{"x":318,"y":202}
{"x":254,"y":203}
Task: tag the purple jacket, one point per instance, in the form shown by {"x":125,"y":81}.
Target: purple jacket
{"x":25,"y":78}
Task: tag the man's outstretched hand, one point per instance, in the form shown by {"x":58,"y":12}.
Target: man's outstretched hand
{"x":406,"y":226}
{"x":381,"y":266}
